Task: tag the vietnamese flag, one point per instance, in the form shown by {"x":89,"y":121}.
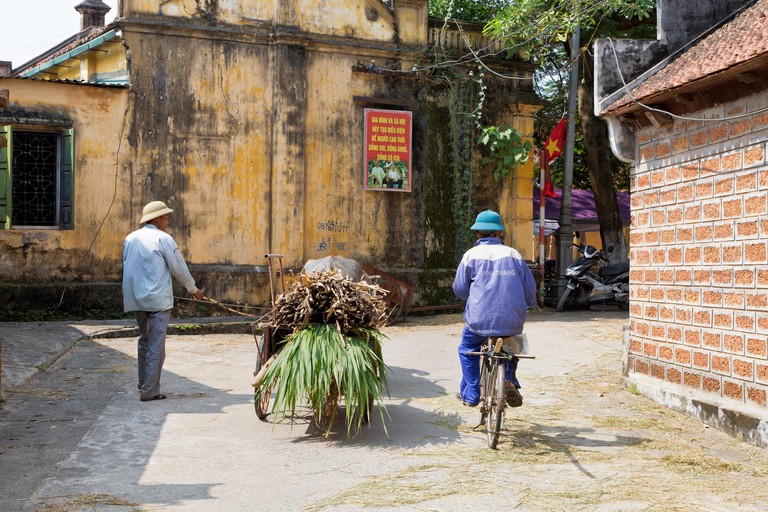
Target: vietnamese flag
{"x":552,"y":149}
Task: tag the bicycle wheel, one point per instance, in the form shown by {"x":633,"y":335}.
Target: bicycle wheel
{"x":483,"y":390}
{"x":262,"y":395}
{"x":494,"y":406}
{"x":496,"y":403}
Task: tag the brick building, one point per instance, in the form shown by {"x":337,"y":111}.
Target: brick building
{"x":689,"y":111}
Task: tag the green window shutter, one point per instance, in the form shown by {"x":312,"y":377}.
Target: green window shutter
{"x":5,"y":176}
{"x":67,"y":177}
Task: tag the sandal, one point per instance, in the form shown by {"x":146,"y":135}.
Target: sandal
{"x":156,"y":397}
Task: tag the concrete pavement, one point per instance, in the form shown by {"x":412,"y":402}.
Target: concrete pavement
{"x":76,"y":437}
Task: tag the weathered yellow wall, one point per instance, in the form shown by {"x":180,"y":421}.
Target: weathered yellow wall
{"x":255,"y":139}
{"x":100,"y":198}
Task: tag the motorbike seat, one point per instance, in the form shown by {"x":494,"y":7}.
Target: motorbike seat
{"x":614,"y":269}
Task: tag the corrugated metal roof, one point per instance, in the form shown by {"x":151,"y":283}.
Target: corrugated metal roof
{"x":63,"y":81}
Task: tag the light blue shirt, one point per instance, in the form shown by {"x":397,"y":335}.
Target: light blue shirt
{"x":150,"y":257}
{"x":498,"y":286}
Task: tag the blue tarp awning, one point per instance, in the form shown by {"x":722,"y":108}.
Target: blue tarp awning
{"x":583,"y":211}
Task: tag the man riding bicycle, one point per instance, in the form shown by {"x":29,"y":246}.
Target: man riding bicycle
{"x":499,"y":289}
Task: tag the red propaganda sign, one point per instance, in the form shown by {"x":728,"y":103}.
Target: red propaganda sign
{"x":387,"y":150}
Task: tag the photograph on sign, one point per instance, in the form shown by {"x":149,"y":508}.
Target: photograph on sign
{"x":387,"y":150}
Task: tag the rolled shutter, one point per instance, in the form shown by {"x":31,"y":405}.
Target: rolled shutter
{"x":6,"y":143}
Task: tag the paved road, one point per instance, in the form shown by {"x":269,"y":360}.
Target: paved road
{"x":75,"y":436}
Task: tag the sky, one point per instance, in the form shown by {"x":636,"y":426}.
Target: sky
{"x":30,"y":27}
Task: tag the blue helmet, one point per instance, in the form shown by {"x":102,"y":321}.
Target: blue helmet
{"x":488,"y":220}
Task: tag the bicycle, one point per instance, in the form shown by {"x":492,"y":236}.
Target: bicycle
{"x":496,"y":352}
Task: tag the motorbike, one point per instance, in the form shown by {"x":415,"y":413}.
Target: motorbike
{"x":585,"y":287}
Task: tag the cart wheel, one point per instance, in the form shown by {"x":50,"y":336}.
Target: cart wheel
{"x":262,"y":395}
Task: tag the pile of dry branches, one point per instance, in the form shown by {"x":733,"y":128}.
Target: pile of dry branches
{"x":329,"y":298}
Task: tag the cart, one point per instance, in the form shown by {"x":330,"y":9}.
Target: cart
{"x":267,"y":342}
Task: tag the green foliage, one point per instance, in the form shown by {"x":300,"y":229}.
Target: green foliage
{"x":507,"y":149}
{"x":534,"y":26}
{"x":318,"y":364}
{"x":467,"y":10}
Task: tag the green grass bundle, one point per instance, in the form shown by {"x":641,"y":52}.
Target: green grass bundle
{"x":317,"y":365}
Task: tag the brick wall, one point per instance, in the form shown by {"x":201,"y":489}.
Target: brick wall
{"x":699,"y":257}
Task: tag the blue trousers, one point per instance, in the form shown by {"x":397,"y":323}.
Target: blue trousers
{"x":153,"y":326}
{"x":470,"y":367}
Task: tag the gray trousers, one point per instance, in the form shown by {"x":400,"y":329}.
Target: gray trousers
{"x":153,"y":326}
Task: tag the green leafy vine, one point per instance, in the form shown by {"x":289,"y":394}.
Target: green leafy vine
{"x":507,"y":149}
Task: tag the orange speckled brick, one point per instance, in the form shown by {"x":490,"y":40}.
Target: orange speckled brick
{"x":651,"y":198}
{"x":732,"y":208}
{"x":674,"y":334}
{"x":712,"y":211}
{"x":754,"y":157}
{"x":732,"y":253}
{"x":701,"y":360}
{"x":710,"y":166}
{"x":746,"y":183}
{"x":743,"y":368}
{"x":674,"y":376}
{"x":680,"y":144}
{"x":684,"y":276}
{"x":663,"y":149}
{"x":733,"y":343}
{"x":757,"y":347}
{"x":711,"y":339}
{"x":713,"y":297}
{"x":745,"y":321}
{"x":711,"y":254}
{"x":692,"y":213}
{"x":724,"y":320}
{"x":755,"y":252}
{"x":731,"y":162}
{"x":685,"y":193}
{"x":761,"y":373}
{"x":675,"y":256}
{"x":760,"y":121}
{"x":668,"y":196}
{"x":673,"y":175}
{"x":705,"y":190}
{"x":745,"y":277}
{"x":704,"y":233}
{"x":647,"y":153}
{"x":722,"y":276}
{"x":747,"y":229}
{"x":699,"y":139}
{"x":692,"y":255}
{"x":721,"y":364}
{"x":683,"y":315}
{"x":657,"y":371}
{"x":683,"y":356}
{"x":724,"y":186}
{"x":690,"y":172}
{"x":675,"y":295}
{"x":684,"y":235}
{"x":762,"y":277}
{"x":675,"y":214}
{"x":665,"y":353}
{"x":755,"y":205}
{"x":733,"y":299}
{"x":741,"y":127}
{"x":718,"y":133}
{"x":702,"y":276}
{"x":641,"y":367}
{"x":733,"y":390}
{"x":693,"y":337}
{"x":711,"y":385}
{"x":756,"y":395}
{"x":723,"y":230}
{"x":702,"y":317}
{"x":692,"y":380}
{"x":658,"y":217}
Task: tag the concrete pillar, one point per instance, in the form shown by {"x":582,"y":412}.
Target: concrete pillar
{"x":516,"y":199}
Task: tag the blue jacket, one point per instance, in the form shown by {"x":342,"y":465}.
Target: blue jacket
{"x":498,"y":287}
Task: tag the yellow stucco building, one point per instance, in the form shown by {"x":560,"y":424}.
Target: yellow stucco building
{"x":249,"y":119}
